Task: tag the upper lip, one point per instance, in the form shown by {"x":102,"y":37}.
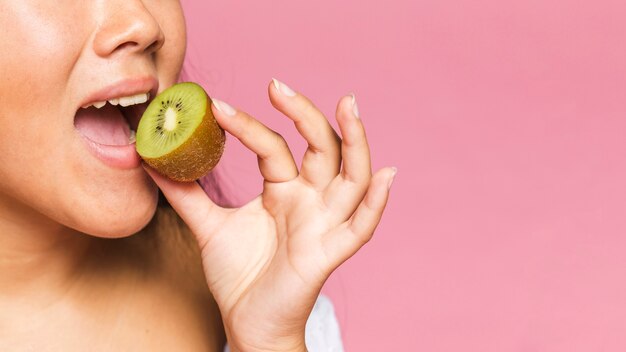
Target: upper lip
{"x":123,"y":88}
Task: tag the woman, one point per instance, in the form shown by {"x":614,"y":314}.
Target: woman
{"x":72,"y":182}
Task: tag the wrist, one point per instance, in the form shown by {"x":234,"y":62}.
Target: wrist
{"x":266,"y":343}
{"x":273,"y":349}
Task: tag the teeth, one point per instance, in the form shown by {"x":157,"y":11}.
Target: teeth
{"x":135,"y":99}
{"x":123,"y":101}
{"x":126,"y":101}
{"x":132,"y":138}
{"x":142,"y":98}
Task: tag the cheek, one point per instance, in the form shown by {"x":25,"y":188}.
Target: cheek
{"x":169,"y":59}
{"x":39,"y":47}
{"x":38,"y":51}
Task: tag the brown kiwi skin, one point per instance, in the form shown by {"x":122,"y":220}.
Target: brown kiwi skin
{"x":197,"y":155}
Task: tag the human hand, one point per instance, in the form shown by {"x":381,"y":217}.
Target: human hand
{"x":266,"y":262}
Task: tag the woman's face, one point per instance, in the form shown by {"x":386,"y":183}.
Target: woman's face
{"x":74,"y":165}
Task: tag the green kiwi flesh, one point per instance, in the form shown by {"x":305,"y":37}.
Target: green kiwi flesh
{"x":178,"y":135}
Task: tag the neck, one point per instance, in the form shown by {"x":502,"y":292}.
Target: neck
{"x":38,"y":257}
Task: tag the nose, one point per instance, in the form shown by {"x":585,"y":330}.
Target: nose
{"x":127,"y":25}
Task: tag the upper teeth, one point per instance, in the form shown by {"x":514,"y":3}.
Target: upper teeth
{"x":123,"y":101}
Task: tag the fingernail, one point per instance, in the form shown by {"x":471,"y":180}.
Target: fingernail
{"x":283,"y":88}
{"x":355,"y":108}
{"x":223,"y":107}
{"x":393,"y":176}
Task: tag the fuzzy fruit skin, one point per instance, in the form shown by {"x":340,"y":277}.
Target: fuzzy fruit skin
{"x":197,"y":155}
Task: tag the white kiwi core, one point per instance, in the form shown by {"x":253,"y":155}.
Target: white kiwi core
{"x":170,"y":119}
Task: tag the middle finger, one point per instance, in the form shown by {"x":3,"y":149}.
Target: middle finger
{"x":322,"y":159}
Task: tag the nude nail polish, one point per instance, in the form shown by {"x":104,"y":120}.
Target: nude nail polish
{"x":393,"y":176}
{"x":223,"y":107}
{"x":355,"y":108}
{"x":283,"y":88}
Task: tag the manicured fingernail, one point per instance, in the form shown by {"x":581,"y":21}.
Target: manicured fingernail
{"x":223,"y":107}
{"x":283,"y":88}
{"x":393,"y":176}
{"x":355,"y":108}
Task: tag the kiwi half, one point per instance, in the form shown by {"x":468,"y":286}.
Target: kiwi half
{"x":178,"y":135}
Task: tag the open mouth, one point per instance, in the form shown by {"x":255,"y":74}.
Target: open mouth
{"x":112,"y":122}
{"x":108,"y":128}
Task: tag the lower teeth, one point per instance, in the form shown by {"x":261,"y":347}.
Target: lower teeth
{"x":132,"y":138}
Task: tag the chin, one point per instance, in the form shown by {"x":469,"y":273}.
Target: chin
{"x":129,"y":227}
{"x":129,"y":215}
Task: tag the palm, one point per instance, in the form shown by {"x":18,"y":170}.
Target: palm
{"x":266,"y":261}
{"x":269,"y":242}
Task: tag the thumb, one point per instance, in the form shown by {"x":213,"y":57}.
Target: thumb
{"x":191,"y":203}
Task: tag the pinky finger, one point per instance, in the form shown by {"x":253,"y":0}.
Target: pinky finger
{"x":349,"y":237}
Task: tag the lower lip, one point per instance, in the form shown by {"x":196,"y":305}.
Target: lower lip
{"x":116,"y":156}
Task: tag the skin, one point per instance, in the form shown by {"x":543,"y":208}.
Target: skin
{"x":264,"y":263}
{"x":289,"y":239}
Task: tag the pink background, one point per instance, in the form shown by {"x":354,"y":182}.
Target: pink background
{"x":506,"y":229}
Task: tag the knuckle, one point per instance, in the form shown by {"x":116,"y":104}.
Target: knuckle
{"x":307,"y":108}
{"x":364,"y":237}
{"x":330,"y":136}
{"x":368,"y":237}
{"x":360,"y":180}
{"x":275,"y":143}
{"x":326,"y":140}
{"x":251,"y":125}
{"x":278,"y":140}
{"x":183,"y":196}
{"x":357,"y":139}
{"x":245,"y":127}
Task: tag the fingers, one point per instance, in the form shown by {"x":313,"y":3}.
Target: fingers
{"x":341,"y":244}
{"x":354,"y":148}
{"x":192,"y":204}
{"x":326,"y":151}
{"x":346,"y":191}
{"x":275,"y":160}
{"x":322,"y":159}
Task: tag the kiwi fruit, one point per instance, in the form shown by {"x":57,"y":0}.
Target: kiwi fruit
{"x":178,"y":135}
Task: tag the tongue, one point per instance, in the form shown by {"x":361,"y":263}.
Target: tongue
{"x":106,"y":125}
